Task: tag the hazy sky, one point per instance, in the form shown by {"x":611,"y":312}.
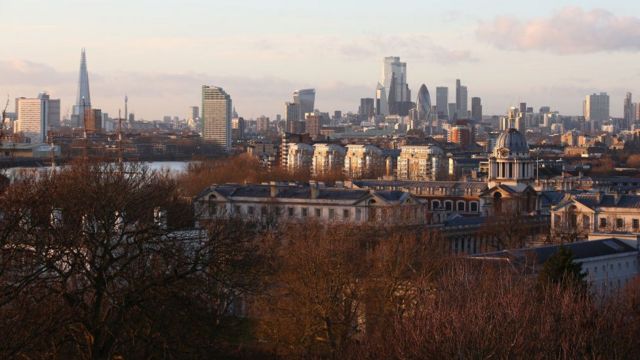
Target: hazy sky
{"x":160,"y":52}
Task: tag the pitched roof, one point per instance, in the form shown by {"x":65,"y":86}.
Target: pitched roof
{"x":595,"y":200}
{"x":580,"y":250}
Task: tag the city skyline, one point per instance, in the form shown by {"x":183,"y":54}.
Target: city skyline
{"x":492,"y":50}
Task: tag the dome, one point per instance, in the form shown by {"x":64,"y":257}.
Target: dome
{"x":512,"y":140}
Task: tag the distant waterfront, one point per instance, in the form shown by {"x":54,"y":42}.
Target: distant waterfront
{"x":173,"y":167}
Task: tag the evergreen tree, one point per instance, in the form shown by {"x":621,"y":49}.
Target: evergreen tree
{"x":560,"y":269}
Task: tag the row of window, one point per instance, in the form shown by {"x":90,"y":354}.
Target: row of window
{"x":461,"y":206}
{"x":407,"y":213}
{"x":603,"y":268}
{"x":289,"y":211}
{"x":619,"y":223}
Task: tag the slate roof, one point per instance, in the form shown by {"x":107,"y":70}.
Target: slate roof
{"x":458,"y":185}
{"x":301,"y":192}
{"x":594,"y":200}
{"x":581,"y":251}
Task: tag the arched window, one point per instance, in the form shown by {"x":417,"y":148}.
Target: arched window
{"x":448,"y":205}
{"x":473,"y":206}
{"x":460,"y":206}
{"x":435,"y":204}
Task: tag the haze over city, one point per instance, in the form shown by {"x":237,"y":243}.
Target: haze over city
{"x":546,"y":53}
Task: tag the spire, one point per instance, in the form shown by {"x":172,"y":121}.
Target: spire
{"x":84,"y":96}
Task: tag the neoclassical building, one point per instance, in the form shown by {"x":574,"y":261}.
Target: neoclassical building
{"x":511,"y":176}
{"x":510,"y":162}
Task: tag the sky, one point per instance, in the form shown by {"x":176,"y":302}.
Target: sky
{"x":161,"y":52}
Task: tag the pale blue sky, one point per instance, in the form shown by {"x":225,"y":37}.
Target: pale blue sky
{"x":160,"y":52}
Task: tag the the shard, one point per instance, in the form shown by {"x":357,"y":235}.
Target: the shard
{"x":83,"y":100}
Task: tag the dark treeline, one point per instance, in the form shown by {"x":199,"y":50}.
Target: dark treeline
{"x":104,"y":262}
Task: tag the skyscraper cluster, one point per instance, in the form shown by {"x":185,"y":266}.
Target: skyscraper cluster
{"x":296,"y":111}
{"x":395,"y":97}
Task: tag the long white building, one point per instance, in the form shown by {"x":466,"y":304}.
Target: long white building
{"x":284,"y":203}
{"x":36,"y":115}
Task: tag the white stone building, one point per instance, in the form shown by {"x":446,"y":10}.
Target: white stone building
{"x":299,"y":157}
{"x":422,"y":162}
{"x":327,"y":159}
{"x":590,"y":213}
{"x":277,"y":203}
{"x":363,"y":161}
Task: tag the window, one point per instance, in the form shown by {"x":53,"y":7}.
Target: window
{"x":305,"y":212}
{"x":474,"y":206}
{"x":291,"y":211}
{"x":263,"y":211}
{"x":619,"y":223}
{"x":332,"y":214}
{"x":636,"y":224}
{"x":237,"y":209}
{"x":461,"y":206}
{"x":358,"y":214}
{"x":250,"y":210}
{"x":603,"y":222}
{"x":318,"y":212}
{"x":435,"y":204}
{"x":586,"y":221}
{"x":346,"y":214}
{"x":448,"y":205}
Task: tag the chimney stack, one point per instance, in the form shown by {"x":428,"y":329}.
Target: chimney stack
{"x":313,"y":185}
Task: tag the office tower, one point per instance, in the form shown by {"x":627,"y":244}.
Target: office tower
{"x":83,"y":100}
{"x":305,"y":98}
{"x":476,"y":109}
{"x":423,"y":107}
{"x":292,"y":117}
{"x":523,"y":107}
{"x":216,"y":116}
{"x":629,"y":114}
{"x":237,"y":128}
{"x":366,"y":109}
{"x":382,"y":102}
{"x":262,"y":124}
{"x":337,"y":115}
{"x":442,"y":99}
{"x":34,"y":116}
{"x":313,"y":125}
{"x":545,"y":109}
{"x":395,"y":83}
{"x":463,"y":108}
{"x":596,"y":108}
{"x":195,"y":112}
{"x":452,"y":111}
{"x":93,"y":122}
{"x":193,"y":118}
